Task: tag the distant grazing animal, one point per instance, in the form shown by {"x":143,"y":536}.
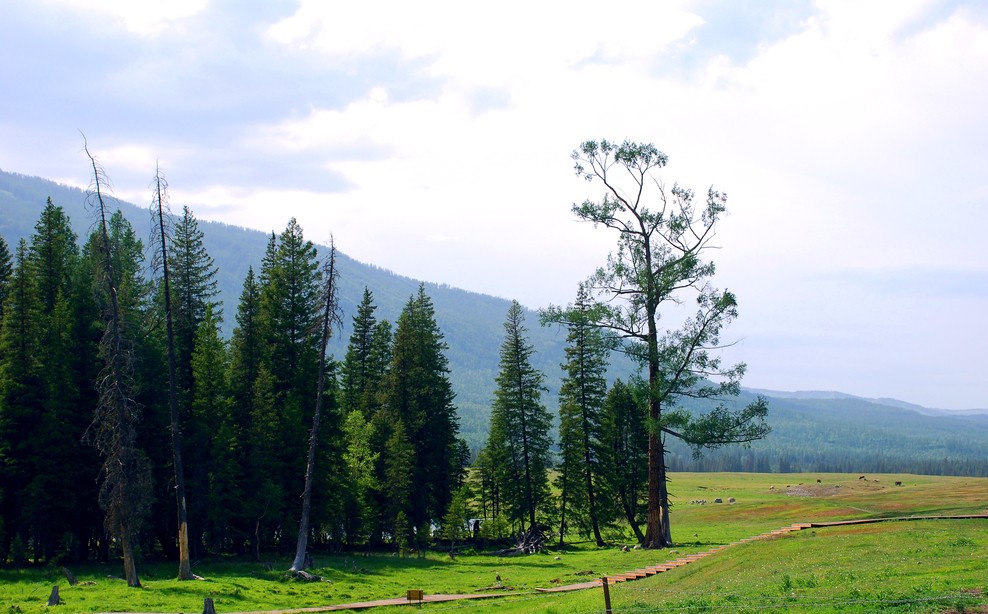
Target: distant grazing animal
{"x":898,"y":483}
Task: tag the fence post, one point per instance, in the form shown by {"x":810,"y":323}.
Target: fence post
{"x":607,"y":595}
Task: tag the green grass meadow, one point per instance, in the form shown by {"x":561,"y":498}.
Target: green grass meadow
{"x":915,"y":566}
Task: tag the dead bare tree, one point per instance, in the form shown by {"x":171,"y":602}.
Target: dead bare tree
{"x":124,"y":492}
{"x":330,"y":316}
{"x":159,"y":210}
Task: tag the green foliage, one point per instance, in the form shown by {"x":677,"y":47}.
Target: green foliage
{"x":518,"y":444}
{"x":584,"y":500}
{"x":662,"y":239}
{"x":6,"y":270}
{"x":625,"y":451}
{"x":418,"y":394}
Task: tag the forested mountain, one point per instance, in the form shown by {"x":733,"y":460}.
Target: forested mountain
{"x":811,"y":431}
{"x":472,"y":323}
{"x":96,"y":423}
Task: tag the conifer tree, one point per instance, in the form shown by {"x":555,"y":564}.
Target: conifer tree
{"x":417,"y":391}
{"x":20,"y":397}
{"x":6,"y":271}
{"x":60,"y":480}
{"x":194,"y":289}
{"x":518,"y":443}
{"x":367,"y":360}
{"x":215,"y":471}
{"x":288,"y":314}
{"x":360,"y":378}
{"x":625,"y":450}
{"x":581,"y":398}
{"x":246,"y":352}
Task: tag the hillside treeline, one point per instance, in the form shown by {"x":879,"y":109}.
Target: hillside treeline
{"x":388,"y":461}
{"x":391,"y":468}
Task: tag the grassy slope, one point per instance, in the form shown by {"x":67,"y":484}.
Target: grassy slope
{"x":858,"y":568}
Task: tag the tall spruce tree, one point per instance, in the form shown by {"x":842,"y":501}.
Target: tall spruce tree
{"x":212,"y":433}
{"x":6,"y":270}
{"x":20,"y":396}
{"x":518,"y":443}
{"x":625,"y":451}
{"x":247,"y":352}
{"x":193,"y":292}
{"x":60,"y":479}
{"x":366,"y":362}
{"x":360,"y":380}
{"x":194,"y":289}
{"x":581,"y":400}
{"x":289,"y":299}
{"x":417,"y":391}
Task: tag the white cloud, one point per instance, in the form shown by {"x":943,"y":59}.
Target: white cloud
{"x":854,"y":140}
{"x":141,"y":17}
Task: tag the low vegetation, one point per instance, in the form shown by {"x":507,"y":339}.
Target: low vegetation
{"x":920,"y":566}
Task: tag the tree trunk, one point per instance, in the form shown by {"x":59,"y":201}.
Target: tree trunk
{"x":330,"y":315}
{"x":562,"y":507}
{"x":184,"y":565}
{"x":591,"y":498}
{"x":629,"y":513}
{"x":130,"y":565}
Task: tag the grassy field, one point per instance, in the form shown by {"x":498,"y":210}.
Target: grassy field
{"x":920,"y":566}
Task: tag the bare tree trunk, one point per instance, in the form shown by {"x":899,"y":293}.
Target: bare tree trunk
{"x":329,"y":317}
{"x":562,"y":507}
{"x":629,"y":512}
{"x":158,"y":208}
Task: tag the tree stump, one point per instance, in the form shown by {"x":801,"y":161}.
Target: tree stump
{"x":54,"y":599}
{"x":207,"y":606}
{"x":70,"y":576}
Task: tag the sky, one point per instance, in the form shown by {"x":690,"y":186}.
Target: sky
{"x":434,"y":139}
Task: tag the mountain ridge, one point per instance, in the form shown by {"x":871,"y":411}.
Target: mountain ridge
{"x":806,"y":424}
{"x":892,"y":402}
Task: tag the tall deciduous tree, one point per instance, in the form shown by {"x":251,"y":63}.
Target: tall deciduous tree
{"x":660,"y":261}
{"x":518,"y":443}
{"x":581,"y":400}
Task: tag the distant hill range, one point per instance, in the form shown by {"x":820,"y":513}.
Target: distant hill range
{"x":812,"y":431}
